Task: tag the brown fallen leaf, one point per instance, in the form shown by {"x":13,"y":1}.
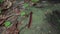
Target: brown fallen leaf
{"x":7,"y":4}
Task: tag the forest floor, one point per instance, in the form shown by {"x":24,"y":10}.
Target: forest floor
{"x":39,"y":24}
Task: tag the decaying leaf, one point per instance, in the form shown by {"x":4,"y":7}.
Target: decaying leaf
{"x":7,"y":4}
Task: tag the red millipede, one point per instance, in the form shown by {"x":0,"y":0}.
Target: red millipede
{"x":30,"y":20}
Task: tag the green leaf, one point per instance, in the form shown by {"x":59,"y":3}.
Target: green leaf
{"x":1,"y":1}
{"x":25,"y":5}
{"x":34,"y":1}
{"x":22,"y":13}
{"x":7,"y":23}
